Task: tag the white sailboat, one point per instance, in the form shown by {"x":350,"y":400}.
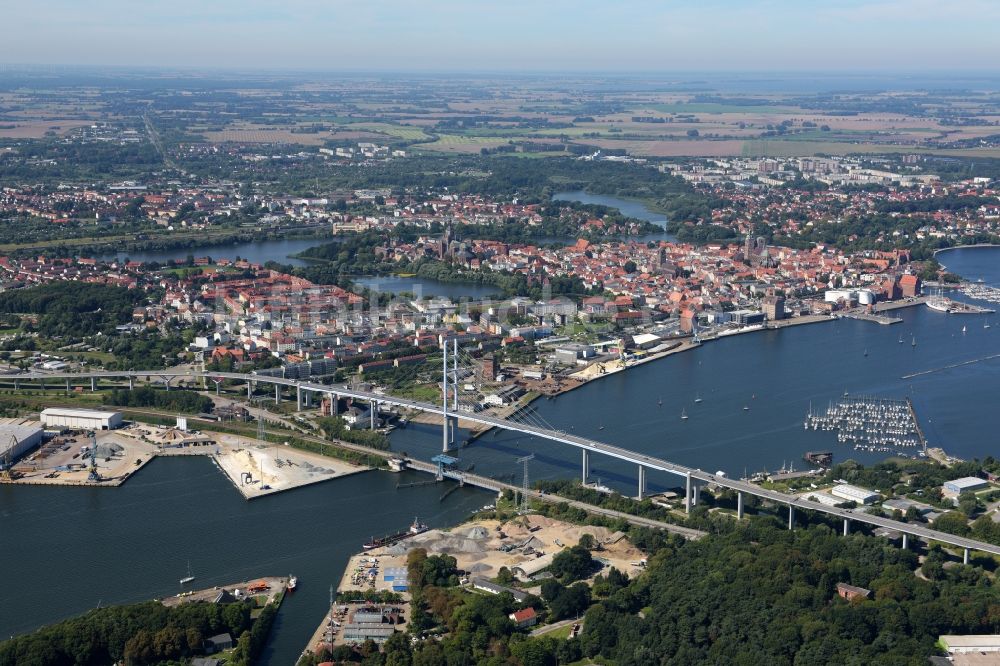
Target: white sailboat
{"x":697,"y":397}
{"x":684,"y":415}
{"x":189,"y":577}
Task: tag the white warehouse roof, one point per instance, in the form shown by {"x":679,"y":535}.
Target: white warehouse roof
{"x":966,"y":483}
{"x":78,"y":413}
{"x":854,"y":492}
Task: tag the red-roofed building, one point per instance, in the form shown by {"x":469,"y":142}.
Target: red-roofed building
{"x":524,"y":618}
{"x":909,"y":285}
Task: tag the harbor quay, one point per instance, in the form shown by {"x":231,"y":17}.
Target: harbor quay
{"x":266,"y":590}
{"x":108,"y":458}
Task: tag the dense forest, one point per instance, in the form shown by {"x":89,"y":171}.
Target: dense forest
{"x":73,"y":309}
{"x":146,"y":633}
{"x":762,"y":594}
{"x":176,"y":400}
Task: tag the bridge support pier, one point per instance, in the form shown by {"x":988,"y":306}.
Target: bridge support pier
{"x":93,"y":384}
{"x":642,"y":482}
{"x":335,"y":407}
{"x":791,"y":516}
{"x":965,"y":556}
{"x":739,"y":505}
{"x":585,"y":472}
{"x":131,"y":383}
{"x":298,"y":398}
{"x":696,"y":493}
{"x":905,"y":540}
{"x":277,"y":393}
{"x":249,"y":389}
{"x":847,"y":527}
{"x":17,"y":385}
{"x":166,"y":383}
{"x":687,"y":492}
{"x":374,"y":412}
{"x":67,"y":386}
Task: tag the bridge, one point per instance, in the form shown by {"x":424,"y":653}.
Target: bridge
{"x":692,"y":477}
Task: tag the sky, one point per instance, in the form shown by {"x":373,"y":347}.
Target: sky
{"x":508,"y":35}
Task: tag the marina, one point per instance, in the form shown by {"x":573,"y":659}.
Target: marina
{"x":872,"y":424}
{"x":981,"y":292}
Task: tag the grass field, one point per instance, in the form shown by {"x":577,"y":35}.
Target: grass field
{"x":455,"y":143}
{"x":399,"y":131}
{"x":722,"y":108}
{"x":266,"y":135}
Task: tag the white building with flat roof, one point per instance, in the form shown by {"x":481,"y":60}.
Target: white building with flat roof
{"x":854,"y":494}
{"x":966,"y":484}
{"x":17,"y":437}
{"x":81,"y":419}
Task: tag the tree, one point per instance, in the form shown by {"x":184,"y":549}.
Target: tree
{"x":572,"y":564}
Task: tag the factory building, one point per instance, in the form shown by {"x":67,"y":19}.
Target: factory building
{"x":80,"y":419}
{"x":854,"y":494}
{"x":967,"y":484}
{"x":17,"y":437}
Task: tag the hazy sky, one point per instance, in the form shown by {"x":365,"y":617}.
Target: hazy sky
{"x":401,"y":35}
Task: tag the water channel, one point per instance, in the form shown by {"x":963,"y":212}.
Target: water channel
{"x":67,"y":550}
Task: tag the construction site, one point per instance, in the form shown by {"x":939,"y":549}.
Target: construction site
{"x":524,"y":545}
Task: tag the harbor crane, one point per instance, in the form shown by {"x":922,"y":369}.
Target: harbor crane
{"x":94,"y":474}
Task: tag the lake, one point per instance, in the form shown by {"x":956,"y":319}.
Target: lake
{"x":628,"y":207}
{"x":258,"y":252}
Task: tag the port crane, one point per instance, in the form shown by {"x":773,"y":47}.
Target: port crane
{"x":94,"y":474}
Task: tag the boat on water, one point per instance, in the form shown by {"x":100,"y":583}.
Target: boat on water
{"x":292,"y":582}
{"x":416,"y":528}
{"x":986,"y":325}
{"x":697,"y":397}
{"x":913,"y":341}
{"x":900,"y":339}
{"x":939,"y":304}
{"x":187,"y":579}
{"x":746,"y":408}
{"x":684,"y":415}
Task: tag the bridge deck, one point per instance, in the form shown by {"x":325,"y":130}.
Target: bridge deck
{"x":594,"y":446}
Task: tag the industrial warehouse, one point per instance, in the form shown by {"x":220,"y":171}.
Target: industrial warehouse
{"x":17,"y":437}
{"x":80,"y":419}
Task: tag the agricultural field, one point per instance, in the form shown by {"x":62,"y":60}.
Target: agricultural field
{"x":265,"y":134}
{"x":37,"y":129}
{"x":403,"y":132}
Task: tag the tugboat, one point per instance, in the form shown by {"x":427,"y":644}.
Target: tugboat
{"x":292,"y":582}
